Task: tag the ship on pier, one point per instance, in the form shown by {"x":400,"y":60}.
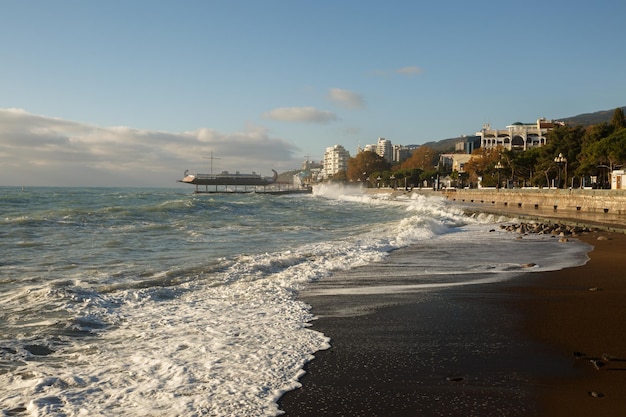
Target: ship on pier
{"x":226,"y":178}
{"x":226,"y":182}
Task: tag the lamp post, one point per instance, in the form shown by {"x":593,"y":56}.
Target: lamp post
{"x":498,"y":167}
{"x":560,"y":161}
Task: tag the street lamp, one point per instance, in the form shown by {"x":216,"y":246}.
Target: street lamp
{"x":498,"y":167}
{"x":560,"y":161}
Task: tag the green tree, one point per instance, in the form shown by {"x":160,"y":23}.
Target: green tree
{"x":521,"y":165}
{"x":590,"y":155}
{"x":618,"y":121}
{"x":412,"y":176}
{"x":612,"y":148}
{"x":566,"y":140}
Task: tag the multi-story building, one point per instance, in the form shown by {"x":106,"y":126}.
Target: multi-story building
{"x":368,"y":148}
{"x":384,"y":148}
{"x":335,"y":160}
{"x":401,"y":153}
{"x":521,"y":136}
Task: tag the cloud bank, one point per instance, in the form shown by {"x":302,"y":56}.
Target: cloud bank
{"x":41,"y":150}
{"x":347,"y":99}
{"x":300,"y":114}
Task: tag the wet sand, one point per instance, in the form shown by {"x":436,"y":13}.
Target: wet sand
{"x":580,"y":313}
{"x":525,"y":347}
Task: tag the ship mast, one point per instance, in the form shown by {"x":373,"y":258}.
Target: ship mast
{"x":211,"y":158}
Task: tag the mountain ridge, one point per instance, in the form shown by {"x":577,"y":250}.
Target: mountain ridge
{"x":583,"y":119}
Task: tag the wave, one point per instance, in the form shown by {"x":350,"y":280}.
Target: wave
{"x":187,"y":303}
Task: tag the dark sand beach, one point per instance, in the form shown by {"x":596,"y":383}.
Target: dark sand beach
{"x":543,"y":344}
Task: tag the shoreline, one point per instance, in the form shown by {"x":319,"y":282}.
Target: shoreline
{"x":530,"y":347}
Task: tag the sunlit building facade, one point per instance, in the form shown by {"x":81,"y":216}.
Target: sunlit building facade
{"x":519,"y":136}
{"x":335,"y":160}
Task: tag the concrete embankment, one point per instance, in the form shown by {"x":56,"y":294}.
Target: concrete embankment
{"x":596,"y":207}
{"x":593,"y":207}
{"x":586,"y":201}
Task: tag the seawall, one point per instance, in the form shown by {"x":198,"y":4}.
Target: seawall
{"x":575,"y":200}
{"x":605,"y":209}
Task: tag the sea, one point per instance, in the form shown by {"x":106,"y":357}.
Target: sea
{"x":162,"y":302}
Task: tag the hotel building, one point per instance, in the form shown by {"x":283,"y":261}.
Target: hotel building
{"x":520,"y":136}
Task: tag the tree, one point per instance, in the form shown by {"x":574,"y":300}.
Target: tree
{"x":566,"y":140}
{"x":483,"y":162}
{"x":410,"y":177}
{"x":364,"y":164}
{"x":618,"y":121}
{"x":612,"y":149}
{"x":424,"y":158}
{"x":339,"y":176}
{"x":590,"y":155}
{"x":522,"y":164}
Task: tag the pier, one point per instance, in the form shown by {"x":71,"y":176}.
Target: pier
{"x":277,"y":188}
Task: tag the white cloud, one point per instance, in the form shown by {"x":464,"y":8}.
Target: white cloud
{"x":41,"y":150}
{"x":300,"y":114}
{"x":408,"y":71}
{"x":347,"y":99}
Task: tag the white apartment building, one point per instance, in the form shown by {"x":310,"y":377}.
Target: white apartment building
{"x":368,"y":148}
{"x":384,"y":148}
{"x":335,"y":160}
{"x":521,"y":136}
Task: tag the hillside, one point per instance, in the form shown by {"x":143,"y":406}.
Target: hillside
{"x":444,"y":145}
{"x":587,"y":119}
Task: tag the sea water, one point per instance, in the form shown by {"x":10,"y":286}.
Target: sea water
{"x":163,"y":302}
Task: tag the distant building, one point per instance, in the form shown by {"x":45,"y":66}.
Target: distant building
{"x":520,"y":136}
{"x":449,"y":162}
{"x":401,"y":153}
{"x":384,"y":149}
{"x":310,"y":172}
{"x":335,"y":160}
{"x":468,"y":144}
{"x":368,"y":148}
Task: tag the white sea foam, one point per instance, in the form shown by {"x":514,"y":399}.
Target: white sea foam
{"x":186,"y":305}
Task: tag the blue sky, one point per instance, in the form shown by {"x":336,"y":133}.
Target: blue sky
{"x":135,"y":92}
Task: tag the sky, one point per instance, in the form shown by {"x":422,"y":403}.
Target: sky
{"x":135,"y":92}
